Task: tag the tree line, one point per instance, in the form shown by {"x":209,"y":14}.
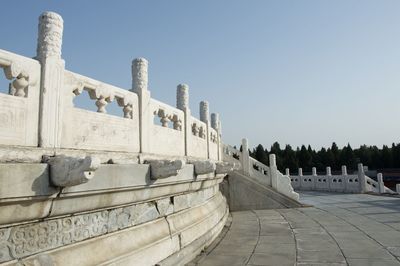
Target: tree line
{"x":307,"y":157}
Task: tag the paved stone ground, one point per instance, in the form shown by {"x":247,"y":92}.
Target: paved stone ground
{"x":341,"y":229}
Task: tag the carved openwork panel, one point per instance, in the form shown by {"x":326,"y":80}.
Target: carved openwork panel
{"x":19,"y":79}
{"x":168,"y":116}
{"x":103,"y":94}
{"x":198,"y":128}
{"x":213,"y":136}
{"x":19,"y":112}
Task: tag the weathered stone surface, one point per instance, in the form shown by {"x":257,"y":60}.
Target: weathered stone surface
{"x":25,"y":180}
{"x":224,"y":167}
{"x":21,"y":241}
{"x":203,"y":167}
{"x":192,"y":199}
{"x":164,"y":168}
{"x":69,"y":171}
{"x":165,"y":206}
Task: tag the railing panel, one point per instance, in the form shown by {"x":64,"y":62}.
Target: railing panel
{"x":169,"y":137}
{"x":230,"y":154}
{"x":213,"y":146}
{"x":19,"y":112}
{"x":260,"y":172}
{"x":85,"y":129}
{"x":197,"y":138}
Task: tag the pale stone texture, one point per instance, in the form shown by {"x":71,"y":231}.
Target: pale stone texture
{"x":344,"y":183}
{"x":182,"y":97}
{"x":223,"y":168}
{"x":165,"y":168}
{"x":339,"y":230}
{"x":203,"y":167}
{"x":69,"y":171}
{"x":204,"y":111}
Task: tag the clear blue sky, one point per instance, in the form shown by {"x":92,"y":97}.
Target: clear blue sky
{"x":297,"y":72}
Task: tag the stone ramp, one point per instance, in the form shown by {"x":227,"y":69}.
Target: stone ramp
{"x":245,"y":193}
{"x":340,"y":230}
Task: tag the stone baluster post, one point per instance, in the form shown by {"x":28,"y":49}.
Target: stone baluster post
{"x":245,"y":158}
{"x":314,"y":179}
{"x":344,"y":170}
{"x":215,"y":124}
{"x":381,"y":184}
{"x":214,"y":121}
{"x":140,"y":86}
{"x":314,"y":171}
{"x":182,"y":103}
{"x":287,"y":172}
{"x":329,"y":177}
{"x":52,"y":95}
{"x":205,"y":117}
{"x":204,"y":112}
{"x":300,"y":174}
{"x":328,"y":171}
{"x":274,"y":171}
{"x":361,"y":178}
{"x":398,"y":188}
{"x":346,"y":179}
{"x":219,"y":139}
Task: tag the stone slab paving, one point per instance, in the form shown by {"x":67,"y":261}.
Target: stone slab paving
{"x":340,"y":229}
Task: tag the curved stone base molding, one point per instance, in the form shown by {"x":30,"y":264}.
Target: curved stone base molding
{"x":173,"y":239}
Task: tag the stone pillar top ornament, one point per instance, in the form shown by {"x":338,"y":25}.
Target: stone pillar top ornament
{"x":314,"y":171}
{"x":360,"y":168}
{"x":204,"y":111}
{"x":50,"y":36}
{"x":344,"y":170}
{"x":140,"y":75}
{"x":272,"y":160}
{"x":287,"y":172}
{"x":182,"y":97}
{"x":245,"y":144}
{"x":328,"y":171}
{"x":300,"y":171}
{"x":215,"y":121}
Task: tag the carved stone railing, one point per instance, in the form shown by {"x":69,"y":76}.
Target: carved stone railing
{"x":75,"y":180}
{"x":169,"y":136}
{"x":230,"y":154}
{"x":263,"y":174}
{"x":260,"y":171}
{"x":39,"y":109}
{"x":198,"y":140}
{"x":19,"y":109}
{"x":344,"y":183}
{"x":83,"y":129}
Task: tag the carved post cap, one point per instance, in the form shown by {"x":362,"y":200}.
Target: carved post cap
{"x":50,"y":35}
{"x":287,"y":172}
{"x":344,"y":170}
{"x":215,"y":121}
{"x":140,"y":75}
{"x":314,"y":171}
{"x":245,"y":144}
{"x":360,"y":168}
{"x":328,"y":170}
{"x":380,"y":178}
{"x":204,"y":111}
{"x":272,"y":160}
{"x":182,"y":97}
{"x":300,"y":171}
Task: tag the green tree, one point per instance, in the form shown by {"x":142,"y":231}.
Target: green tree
{"x":260,"y":154}
{"x":305,"y":159}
